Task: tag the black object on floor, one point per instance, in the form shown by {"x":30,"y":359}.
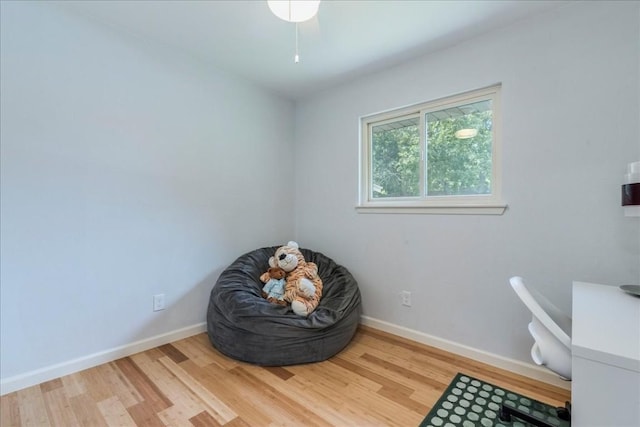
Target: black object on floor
{"x":470,"y":402}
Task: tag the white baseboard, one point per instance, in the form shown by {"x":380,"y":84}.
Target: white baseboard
{"x":516,"y":366}
{"x":28,"y":379}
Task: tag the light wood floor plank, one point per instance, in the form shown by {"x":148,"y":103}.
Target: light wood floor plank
{"x":144,"y":414}
{"x":59,"y":409}
{"x":204,"y":419}
{"x":184,"y":403}
{"x":74,"y":384}
{"x":418,"y":359}
{"x":86,"y":411}
{"x":115,"y":413}
{"x":151,"y":394}
{"x":339,"y":399}
{"x":377,"y":376}
{"x":10,"y":411}
{"x":339,"y":406}
{"x":307,"y":396}
{"x":198,"y":350}
{"x":282,"y":409}
{"x":222,"y":383}
{"x":104,"y":381}
{"x":33,"y":410}
{"x":378,"y":380}
{"x":209,"y":402}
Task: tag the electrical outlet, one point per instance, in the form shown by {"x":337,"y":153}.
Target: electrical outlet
{"x":406,"y":298}
{"x":158,"y":302}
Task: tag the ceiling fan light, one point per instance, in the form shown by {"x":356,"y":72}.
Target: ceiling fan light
{"x":465,"y":133}
{"x":294,"y":10}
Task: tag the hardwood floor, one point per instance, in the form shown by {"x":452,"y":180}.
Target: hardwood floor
{"x":378,"y":380}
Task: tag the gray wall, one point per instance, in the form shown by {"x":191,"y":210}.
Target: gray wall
{"x":570,"y":94}
{"x":127,"y":171}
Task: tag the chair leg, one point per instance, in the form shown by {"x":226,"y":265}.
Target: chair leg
{"x":564,"y":413}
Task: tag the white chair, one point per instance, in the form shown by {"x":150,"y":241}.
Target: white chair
{"x":549,"y":327}
{"x":551,"y":331}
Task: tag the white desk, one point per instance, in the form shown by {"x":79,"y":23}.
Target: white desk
{"x":605,"y":345}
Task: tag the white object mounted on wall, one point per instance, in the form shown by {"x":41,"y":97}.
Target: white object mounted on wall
{"x":631,"y":190}
{"x":294,"y":11}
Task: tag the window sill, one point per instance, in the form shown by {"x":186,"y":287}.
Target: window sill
{"x":494,"y":209}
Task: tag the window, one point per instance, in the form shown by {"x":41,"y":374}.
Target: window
{"x":438,"y":157}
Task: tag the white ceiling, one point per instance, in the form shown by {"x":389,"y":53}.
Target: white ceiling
{"x":345,"y":39}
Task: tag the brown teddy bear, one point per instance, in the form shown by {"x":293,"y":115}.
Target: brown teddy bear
{"x":274,"y":284}
{"x":303,"y":288}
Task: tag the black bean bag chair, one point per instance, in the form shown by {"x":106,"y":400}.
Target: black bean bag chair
{"x":245,"y":326}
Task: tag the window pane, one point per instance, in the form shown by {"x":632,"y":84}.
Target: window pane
{"x":459,"y":150}
{"x":395,"y":159}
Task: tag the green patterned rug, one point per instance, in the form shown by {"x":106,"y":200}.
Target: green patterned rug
{"x":469,"y":402}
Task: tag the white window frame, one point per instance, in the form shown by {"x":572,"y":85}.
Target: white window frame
{"x":491,"y":204}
